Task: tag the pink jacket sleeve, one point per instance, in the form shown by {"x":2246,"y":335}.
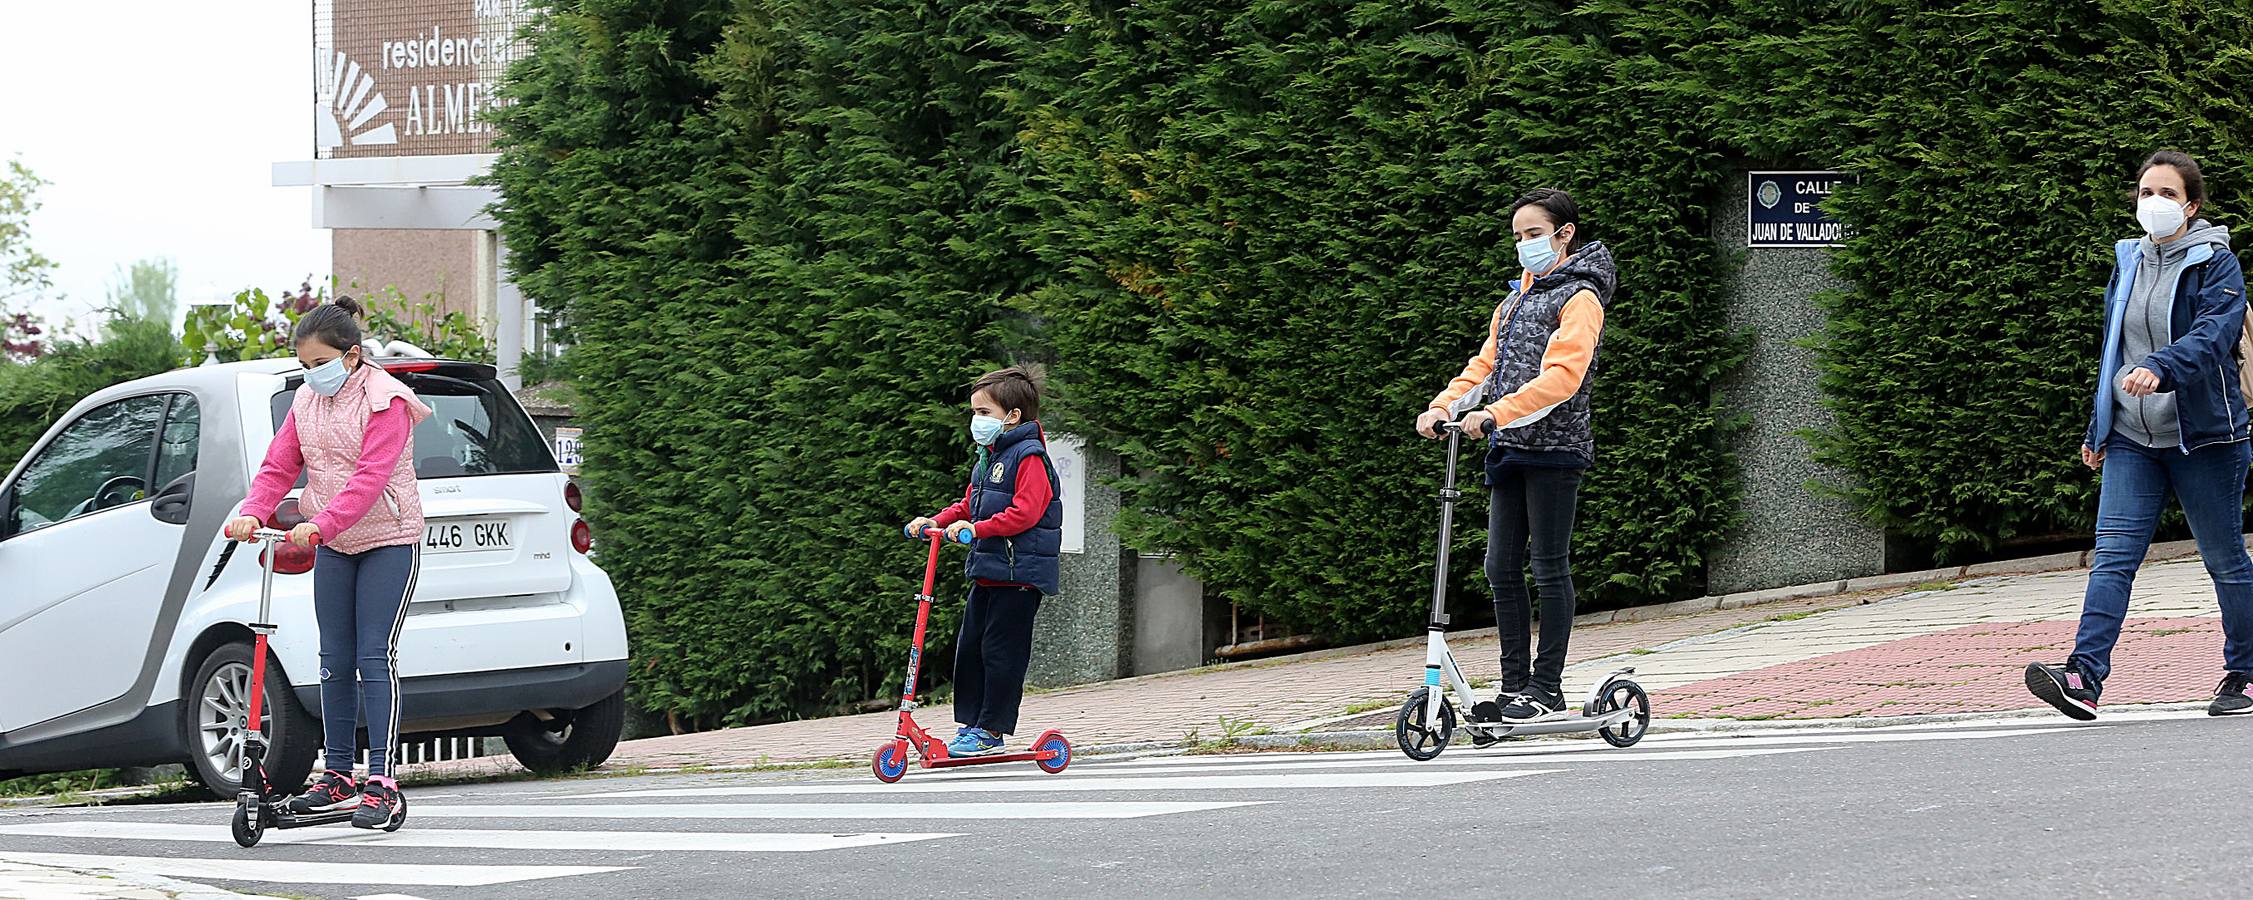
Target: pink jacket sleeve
{"x":380,"y":447}
{"x":285,"y":458}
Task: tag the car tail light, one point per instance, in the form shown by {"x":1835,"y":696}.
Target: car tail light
{"x":571,"y":495}
{"x":582,"y":537}
{"x":420,"y":365}
{"x":294,"y":560}
{"x":287,"y":515}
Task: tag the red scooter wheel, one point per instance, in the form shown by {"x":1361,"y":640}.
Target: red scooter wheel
{"x":1063,"y":753}
{"x":890,"y":762}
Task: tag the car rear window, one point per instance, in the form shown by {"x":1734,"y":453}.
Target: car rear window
{"x":475,"y":428}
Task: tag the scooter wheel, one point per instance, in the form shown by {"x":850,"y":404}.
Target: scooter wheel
{"x":1624,"y":694}
{"x":890,"y":762}
{"x":249,"y":824}
{"x":1063,"y":755}
{"x":1420,"y":739}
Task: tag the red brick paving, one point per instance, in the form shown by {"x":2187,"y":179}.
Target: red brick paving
{"x":1976,"y":668}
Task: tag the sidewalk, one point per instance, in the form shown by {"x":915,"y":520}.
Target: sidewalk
{"x":1953,"y":649}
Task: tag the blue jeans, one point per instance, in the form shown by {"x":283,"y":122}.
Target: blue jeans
{"x":2210,"y":485}
{"x":360,"y":603}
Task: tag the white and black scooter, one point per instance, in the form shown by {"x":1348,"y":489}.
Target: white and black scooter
{"x":1618,"y":709}
{"x":262,"y":804}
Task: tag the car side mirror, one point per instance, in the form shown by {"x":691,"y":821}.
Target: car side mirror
{"x":172,"y":504}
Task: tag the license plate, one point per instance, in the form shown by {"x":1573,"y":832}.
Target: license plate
{"x":468,"y":536}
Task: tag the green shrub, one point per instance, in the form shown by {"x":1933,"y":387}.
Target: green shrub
{"x":1252,"y":238}
{"x":780,"y":241}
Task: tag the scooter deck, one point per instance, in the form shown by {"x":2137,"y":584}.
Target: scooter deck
{"x":1567,"y":725}
{"x":1020,"y":756}
{"x":280,"y":818}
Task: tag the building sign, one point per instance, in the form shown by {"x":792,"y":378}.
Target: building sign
{"x":567,"y":449}
{"x":410,"y":77}
{"x":1785,"y":209}
{"x":1069,"y":454}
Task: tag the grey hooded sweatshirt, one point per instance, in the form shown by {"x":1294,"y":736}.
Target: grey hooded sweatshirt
{"x":2150,"y":420}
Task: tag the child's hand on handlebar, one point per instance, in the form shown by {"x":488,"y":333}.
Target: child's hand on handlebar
{"x":1427,"y":424}
{"x":956,"y":530}
{"x":1476,"y":424}
{"x":242,"y":528}
{"x":918,"y":525}
{"x":305,"y":535}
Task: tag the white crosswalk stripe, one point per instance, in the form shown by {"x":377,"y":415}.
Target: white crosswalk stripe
{"x":459,"y":838}
{"x":1066,"y":785}
{"x":963,"y":812}
{"x":302,"y":872}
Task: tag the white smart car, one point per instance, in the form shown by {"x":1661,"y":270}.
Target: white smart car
{"x":123,"y":612}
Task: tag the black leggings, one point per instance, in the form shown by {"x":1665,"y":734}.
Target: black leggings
{"x":1532,"y":507}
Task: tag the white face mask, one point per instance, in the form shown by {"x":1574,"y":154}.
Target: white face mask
{"x":2159,"y":216}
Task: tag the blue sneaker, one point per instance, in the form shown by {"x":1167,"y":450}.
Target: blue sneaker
{"x":974,"y":742}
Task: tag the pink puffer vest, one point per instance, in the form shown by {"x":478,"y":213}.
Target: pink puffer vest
{"x":329,"y":429}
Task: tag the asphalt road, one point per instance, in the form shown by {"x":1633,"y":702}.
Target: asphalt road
{"x":2142,"y":806}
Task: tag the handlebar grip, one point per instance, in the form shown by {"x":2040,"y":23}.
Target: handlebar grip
{"x":960,"y":537}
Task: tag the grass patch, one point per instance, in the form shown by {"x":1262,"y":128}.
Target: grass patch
{"x":1368,"y":706}
{"x":1794,"y":616}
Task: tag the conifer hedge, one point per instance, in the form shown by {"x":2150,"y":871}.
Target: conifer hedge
{"x":1253,"y":237}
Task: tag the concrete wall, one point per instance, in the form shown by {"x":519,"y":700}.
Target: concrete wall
{"x":1170,"y":619}
{"x":1789,"y":534}
{"x":1085,"y":633}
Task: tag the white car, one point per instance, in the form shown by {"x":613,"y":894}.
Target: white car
{"x":123,"y":612}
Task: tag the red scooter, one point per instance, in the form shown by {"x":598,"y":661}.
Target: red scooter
{"x":1051,"y":752}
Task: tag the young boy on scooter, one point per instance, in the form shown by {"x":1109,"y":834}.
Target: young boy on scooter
{"x":1015,"y":518}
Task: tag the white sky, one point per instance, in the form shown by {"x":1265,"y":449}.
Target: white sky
{"x":157,"y":124}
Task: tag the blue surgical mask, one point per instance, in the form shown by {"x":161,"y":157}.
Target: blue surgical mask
{"x":327,"y":378}
{"x":984,"y":429}
{"x":1537,"y":254}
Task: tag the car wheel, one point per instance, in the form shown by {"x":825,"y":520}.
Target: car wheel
{"x":581,"y":740}
{"x":216,"y":718}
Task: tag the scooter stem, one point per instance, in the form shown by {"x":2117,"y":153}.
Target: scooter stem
{"x":922,"y":621}
{"x":1447,"y":497}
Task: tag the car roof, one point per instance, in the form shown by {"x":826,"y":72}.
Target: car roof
{"x":223,"y":376}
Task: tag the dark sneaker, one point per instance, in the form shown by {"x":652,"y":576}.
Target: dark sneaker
{"x":1534,"y":705}
{"x":333,"y":792}
{"x":2064,"y":687}
{"x":974,"y":742}
{"x":2229,"y":697}
{"x":380,"y":804}
{"x":1491,"y":710}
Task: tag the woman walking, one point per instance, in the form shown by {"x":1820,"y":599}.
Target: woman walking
{"x":2168,"y":419}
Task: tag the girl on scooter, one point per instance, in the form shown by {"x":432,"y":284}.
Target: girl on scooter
{"x":350,"y":429}
{"x":1533,"y":374}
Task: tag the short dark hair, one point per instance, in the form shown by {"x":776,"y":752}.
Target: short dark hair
{"x":335,"y":323}
{"x":1014,"y":388}
{"x":1558,"y":206}
{"x":2194,"y":181}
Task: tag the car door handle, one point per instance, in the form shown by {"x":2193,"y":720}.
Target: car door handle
{"x":172,"y":504}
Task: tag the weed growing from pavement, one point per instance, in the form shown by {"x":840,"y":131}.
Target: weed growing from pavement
{"x":1790,"y":616}
{"x":1367,"y":706}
